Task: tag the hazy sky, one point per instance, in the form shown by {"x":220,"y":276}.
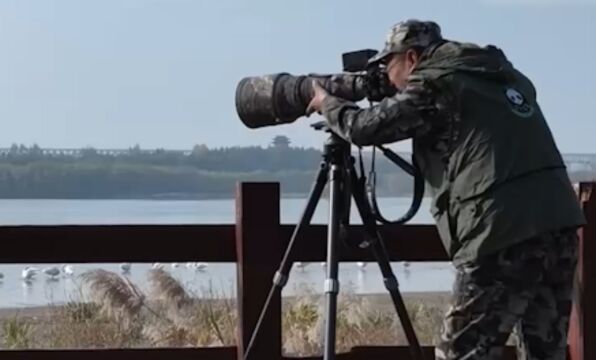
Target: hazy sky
{"x":163,"y":73}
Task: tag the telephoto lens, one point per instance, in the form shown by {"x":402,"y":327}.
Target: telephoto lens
{"x":282,"y":98}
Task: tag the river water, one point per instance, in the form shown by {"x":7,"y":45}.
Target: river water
{"x":215,"y":277}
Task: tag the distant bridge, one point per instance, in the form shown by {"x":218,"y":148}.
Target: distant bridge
{"x":107,"y":152}
{"x":580,"y":162}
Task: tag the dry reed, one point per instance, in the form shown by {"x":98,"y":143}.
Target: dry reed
{"x":116,"y":295}
{"x":118,"y":314}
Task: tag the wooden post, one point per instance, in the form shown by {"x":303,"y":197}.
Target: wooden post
{"x":582,"y":327}
{"x":259,"y":252}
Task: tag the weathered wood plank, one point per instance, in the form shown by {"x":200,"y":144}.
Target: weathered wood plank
{"x":582,"y":327}
{"x":223,"y":353}
{"x":391,"y":352}
{"x":410,"y":242}
{"x":259,"y":253}
{"x":116,"y":243}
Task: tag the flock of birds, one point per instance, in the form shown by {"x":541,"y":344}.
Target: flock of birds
{"x":360,"y":264}
{"x":53,"y":272}
{"x":29,"y":273}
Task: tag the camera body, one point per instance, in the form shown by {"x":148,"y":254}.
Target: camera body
{"x":355,"y":61}
{"x":282,"y":98}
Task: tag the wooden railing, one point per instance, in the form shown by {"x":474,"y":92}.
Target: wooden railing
{"x":256,"y":243}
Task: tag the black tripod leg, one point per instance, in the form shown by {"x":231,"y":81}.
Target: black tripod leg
{"x":332,"y":282}
{"x":281,"y":276}
{"x":392,"y":286}
{"x":380,"y":253}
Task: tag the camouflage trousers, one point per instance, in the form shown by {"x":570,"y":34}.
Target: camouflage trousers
{"x":525,"y":289}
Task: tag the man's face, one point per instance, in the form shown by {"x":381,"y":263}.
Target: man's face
{"x":400,"y":66}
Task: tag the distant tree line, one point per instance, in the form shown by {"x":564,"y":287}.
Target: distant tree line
{"x":28,"y":172}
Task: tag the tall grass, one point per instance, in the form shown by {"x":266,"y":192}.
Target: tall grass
{"x":16,"y":333}
{"x":109,"y":310}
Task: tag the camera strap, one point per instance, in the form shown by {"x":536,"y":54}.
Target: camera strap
{"x":371,"y":184}
{"x":368,"y":217}
{"x":371,"y":187}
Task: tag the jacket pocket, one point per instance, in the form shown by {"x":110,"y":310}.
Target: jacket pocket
{"x":468,"y":215}
{"x":446,"y":224}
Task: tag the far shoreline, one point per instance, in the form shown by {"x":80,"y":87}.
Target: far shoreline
{"x":183,"y":197}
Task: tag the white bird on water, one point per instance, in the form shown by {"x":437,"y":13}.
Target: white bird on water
{"x":175,"y":265}
{"x":125,"y":267}
{"x":52,"y":272}
{"x":67,"y":270}
{"x":199,"y":266}
{"x":157,"y":265}
{"x":361,"y":264}
{"x":29,"y":273}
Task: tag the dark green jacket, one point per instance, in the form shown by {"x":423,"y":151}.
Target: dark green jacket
{"x":486,"y":152}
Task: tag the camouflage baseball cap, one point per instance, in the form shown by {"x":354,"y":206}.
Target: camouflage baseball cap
{"x":407,"y":34}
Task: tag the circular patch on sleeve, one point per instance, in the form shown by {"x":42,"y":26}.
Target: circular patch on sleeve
{"x":518,"y":103}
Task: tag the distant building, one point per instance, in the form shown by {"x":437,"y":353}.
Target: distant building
{"x":281,"y":141}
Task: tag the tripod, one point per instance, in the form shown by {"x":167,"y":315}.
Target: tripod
{"x":337,"y":169}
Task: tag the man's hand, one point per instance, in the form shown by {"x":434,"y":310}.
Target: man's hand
{"x":317,"y":101}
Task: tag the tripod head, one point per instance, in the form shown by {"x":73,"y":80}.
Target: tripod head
{"x":320,"y":126}
{"x":336,"y":149}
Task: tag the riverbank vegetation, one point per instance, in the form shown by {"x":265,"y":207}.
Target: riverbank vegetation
{"x":111,"y":311}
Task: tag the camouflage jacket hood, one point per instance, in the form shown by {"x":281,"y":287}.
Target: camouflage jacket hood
{"x":488,"y":62}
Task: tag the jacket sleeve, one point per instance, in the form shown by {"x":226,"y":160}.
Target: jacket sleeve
{"x":407,"y":114}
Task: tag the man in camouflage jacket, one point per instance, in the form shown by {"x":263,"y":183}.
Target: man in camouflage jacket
{"x":502,"y":201}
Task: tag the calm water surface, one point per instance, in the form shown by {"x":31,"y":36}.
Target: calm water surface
{"x":218,"y":277}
